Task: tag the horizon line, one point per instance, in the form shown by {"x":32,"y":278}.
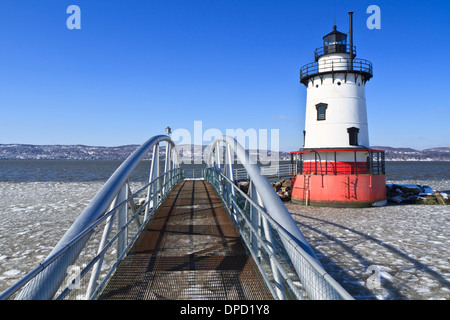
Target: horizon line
{"x":203,"y":145}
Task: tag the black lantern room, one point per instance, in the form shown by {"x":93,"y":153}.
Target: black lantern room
{"x":334,"y":42}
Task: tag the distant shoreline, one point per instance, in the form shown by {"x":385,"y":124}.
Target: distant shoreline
{"x":120,"y":153}
{"x":121,"y":160}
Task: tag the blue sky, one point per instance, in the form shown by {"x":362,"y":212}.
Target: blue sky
{"x":136,"y":67}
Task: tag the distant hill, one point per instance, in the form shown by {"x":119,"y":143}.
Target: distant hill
{"x":120,"y":153}
{"x":82,"y":152}
{"x":408,"y":154}
{"x":63,"y":152}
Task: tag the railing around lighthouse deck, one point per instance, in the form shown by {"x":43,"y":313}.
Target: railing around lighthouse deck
{"x":331,"y":66}
{"x":336,"y":164}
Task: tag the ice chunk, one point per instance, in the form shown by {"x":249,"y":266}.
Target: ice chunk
{"x":12,"y":273}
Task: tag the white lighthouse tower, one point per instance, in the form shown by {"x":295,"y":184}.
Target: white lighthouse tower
{"x":336,"y":164}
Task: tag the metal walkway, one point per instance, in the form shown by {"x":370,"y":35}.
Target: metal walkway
{"x":182,"y":239}
{"x":191,"y":249}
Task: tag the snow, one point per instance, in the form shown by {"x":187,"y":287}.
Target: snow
{"x":409,"y":243}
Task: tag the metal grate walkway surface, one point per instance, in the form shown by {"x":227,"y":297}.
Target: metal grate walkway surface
{"x":190,"y":250}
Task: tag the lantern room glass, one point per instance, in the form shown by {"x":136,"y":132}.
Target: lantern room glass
{"x":335,"y":42}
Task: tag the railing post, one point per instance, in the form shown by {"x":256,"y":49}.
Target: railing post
{"x":335,"y":164}
{"x":166,"y":169}
{"x":378,"y":163}
{"x":122,"y":220}
{"x":255,"y":218}
{"x":263,"y":224}
{"x":157,"y":185}
{"x":230,"y":171}
{"x":169,"y":167}
{"x":218,"y":156}
{"x":98,"y":265}
{"x":152,"y":188}
{"x":315,"y":161}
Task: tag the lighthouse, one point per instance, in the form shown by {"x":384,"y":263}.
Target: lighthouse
{"x":336,"y":166}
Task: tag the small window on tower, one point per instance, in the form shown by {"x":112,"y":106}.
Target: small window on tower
{"x":353,"y":136}
{"x":321,"y":111}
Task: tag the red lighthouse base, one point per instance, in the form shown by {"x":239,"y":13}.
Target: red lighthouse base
{"x":345,"y":190}
{"x":328,"y":178}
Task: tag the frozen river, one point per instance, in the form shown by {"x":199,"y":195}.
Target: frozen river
{"x":391,"y":252}
{"x":406,"y":246}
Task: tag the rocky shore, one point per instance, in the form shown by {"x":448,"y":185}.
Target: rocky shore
{"x":395,"y":193}
{"x":283,"y":188}
{"x":415,"y":194}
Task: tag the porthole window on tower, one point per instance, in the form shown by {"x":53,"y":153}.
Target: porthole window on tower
{"x":353,"y":136}
{"x":321,"y":111}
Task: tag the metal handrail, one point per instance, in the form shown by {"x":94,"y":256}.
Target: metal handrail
{"x":272,"y":171}
{"x":336,"y":65}
{"x":315,"y":281}
{"x":240,"y":211}
{"x":44,"y":281}
{"x":217,"y":180}
{"x":374,"y":165}
{"x":333,"y":48}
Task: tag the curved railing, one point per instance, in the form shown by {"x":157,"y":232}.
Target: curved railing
{"x":333,"y":48}
{"x":361,"y":66}
{"x":286,"y":260}
{"x":84,"y":258}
